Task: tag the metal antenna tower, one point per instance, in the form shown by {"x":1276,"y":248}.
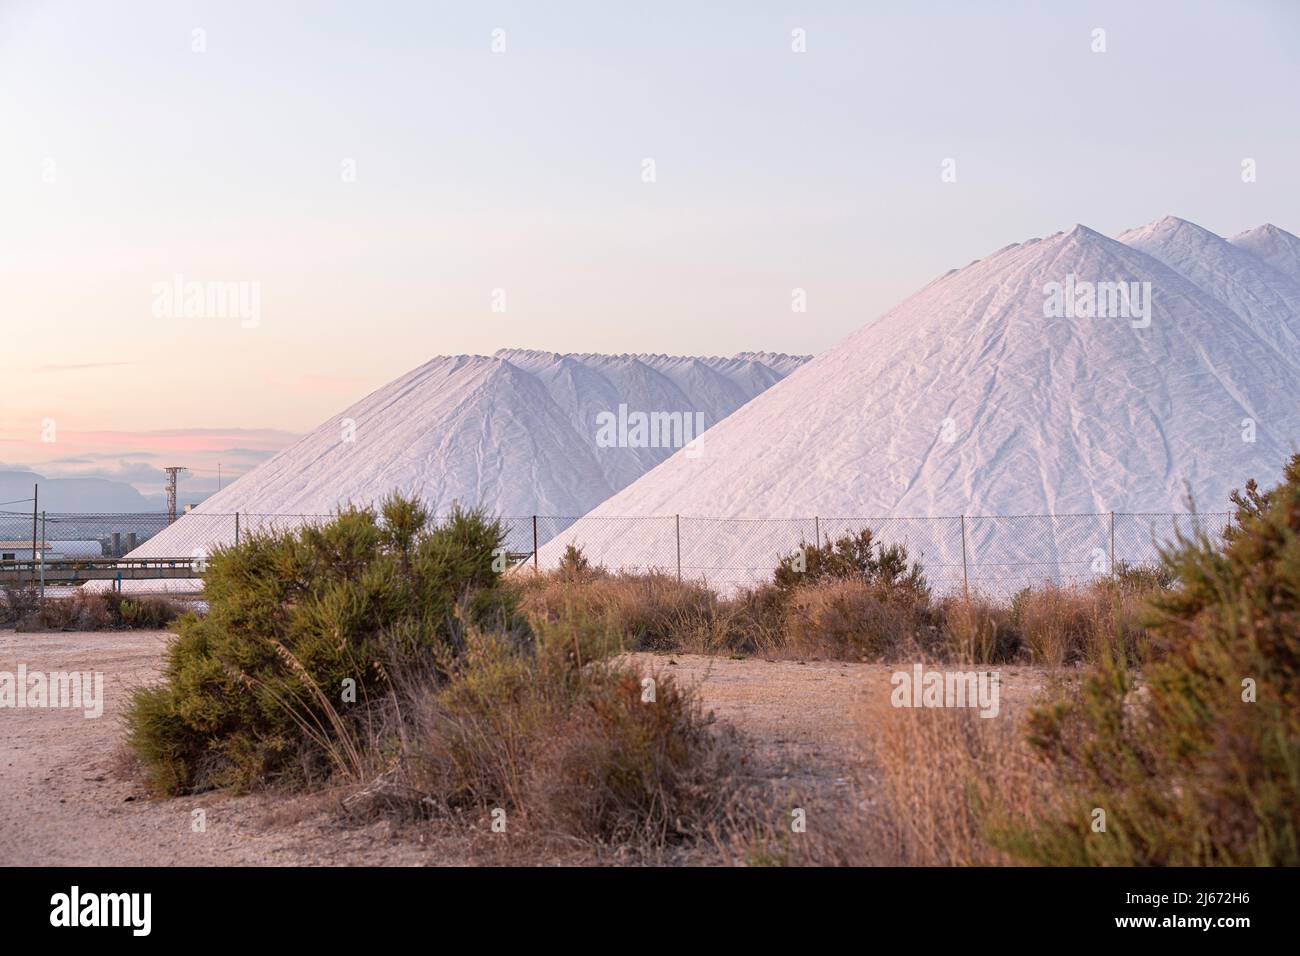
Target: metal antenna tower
{"x":172,"y":472}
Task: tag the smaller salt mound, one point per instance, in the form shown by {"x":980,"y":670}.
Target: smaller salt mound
{"x":517,"y":433}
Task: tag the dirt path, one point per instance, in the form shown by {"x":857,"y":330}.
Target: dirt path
{"x":65,"y":800}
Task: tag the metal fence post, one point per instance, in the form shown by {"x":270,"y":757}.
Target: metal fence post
{"x":36,"y":497}
{"x":679,"y":546}
{"x":43,"y":543}
{"x":1112,"y":542}
{"x":535,"y":567}
{"x":817,"y":532}
{"x":236,"y":529}
{"x":965,"y":574}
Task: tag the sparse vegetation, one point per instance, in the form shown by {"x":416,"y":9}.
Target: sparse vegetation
{"x":652,"y":610}
{"x":929,"y":782}
{"x":386,"y":653}
{"x":979,"y":630}
{"x":17,"y":603}
{"x":855,"y":599}
{"x":22,"y":609}
{"x":1061,"y":626}
{"x":1199,"y":762}
{"x":573,"y":746}
{"x":1169,"y":697}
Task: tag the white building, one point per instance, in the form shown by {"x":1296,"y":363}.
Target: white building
{"x":21,"y":550}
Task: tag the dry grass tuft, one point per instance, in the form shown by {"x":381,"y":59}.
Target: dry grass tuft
{"x":655,"y":611}
{"x":941,"y":776}
{"x":853,"y":620}
{"x":977,"y":630}
{"x":931,"y":789}
{"x":1072,"y":625}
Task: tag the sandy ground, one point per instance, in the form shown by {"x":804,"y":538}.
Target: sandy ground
{"x":66,"y":799}
{"x":804,"y":716}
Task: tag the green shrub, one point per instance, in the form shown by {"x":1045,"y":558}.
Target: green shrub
{"x":574,"y":565}
{"x":303,"y":628}
{"x":850,"y":557}
{"x":1142,"y":578}
{"x":1187,"y":768}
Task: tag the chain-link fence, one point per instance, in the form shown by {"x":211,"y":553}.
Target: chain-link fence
{"x":991,"y":554}
{"x":73,"y":536}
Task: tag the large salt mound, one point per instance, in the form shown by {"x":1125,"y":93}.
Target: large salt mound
{"x":966,"y":399}
{"x":515,"y":433}
{"x":1275,"y":246}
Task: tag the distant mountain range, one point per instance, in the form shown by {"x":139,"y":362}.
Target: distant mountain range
{"x":75,"y":494}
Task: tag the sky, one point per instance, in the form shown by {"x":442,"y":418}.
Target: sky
{"x":387,"y":182}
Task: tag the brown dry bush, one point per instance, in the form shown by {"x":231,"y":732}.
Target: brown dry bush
{"x":1055,"y":622}
{"x":977,"y":630}
{"x":576,"y":748}
{"x":853,"y":620}
{"x":17,"y":603}
{"x":1081,"y":624}
{"x":148,"y":612}
{"x":88,"y":611}
{"x":857,"y":599}
{"x":80,"y":612}
{"x":942,"y":775}
{"x":748,"y":621}
{"x":624,"y":770}
{"x":654,"y":610}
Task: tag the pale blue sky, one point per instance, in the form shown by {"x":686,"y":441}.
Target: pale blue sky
{"x":522,"y":171}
